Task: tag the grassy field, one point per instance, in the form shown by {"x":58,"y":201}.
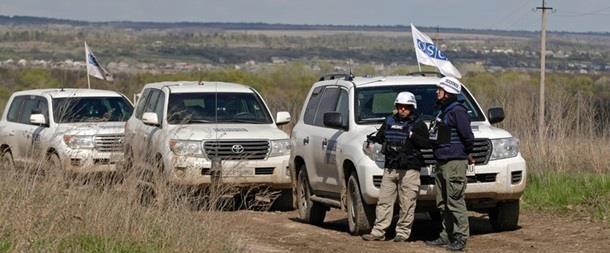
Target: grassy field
{"x":41,"y":215}
{"x":584,"y":194}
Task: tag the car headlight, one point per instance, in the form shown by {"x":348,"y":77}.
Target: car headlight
{"x":186,"y":147}
{"x":373,"y":151}
{"x":279,"y":147}
{"x":79,"y":141}
{"x":504,"y":148}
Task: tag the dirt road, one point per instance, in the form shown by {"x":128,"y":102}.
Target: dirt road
{"x":282,"y":232}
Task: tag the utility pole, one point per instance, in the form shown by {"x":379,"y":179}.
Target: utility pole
{"x":541,"y":127}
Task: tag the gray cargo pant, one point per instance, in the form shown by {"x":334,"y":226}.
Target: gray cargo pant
{"x":405,"y":184}
{"x":450,"y":183}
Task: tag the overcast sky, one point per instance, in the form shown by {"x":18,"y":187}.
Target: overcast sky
{"x":569,"y":15}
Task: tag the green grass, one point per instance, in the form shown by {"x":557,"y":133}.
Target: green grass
{"x":94,"y":244}
{"x":5,"y":243}
{"x":587,"y":193}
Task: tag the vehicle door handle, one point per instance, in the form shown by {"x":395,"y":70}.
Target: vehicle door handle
{"x":11,"y":133}
{"x":306,"y":140}
{"x":324,"y":143}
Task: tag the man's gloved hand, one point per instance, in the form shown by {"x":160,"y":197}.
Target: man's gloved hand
{"x":470,"y":159}
{"x":370,"y":137}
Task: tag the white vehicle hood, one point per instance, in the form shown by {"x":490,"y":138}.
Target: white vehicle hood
{"x":227,"y":132}
{"x":479,"y":129}
{"x":97,"y":128}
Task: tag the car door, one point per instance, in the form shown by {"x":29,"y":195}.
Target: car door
{"x":12,"y":132}
{"x":30,"y":145}
{"x":301,"y":134}
{"x":133,"y":133}
{"x":155,"y":104}
{"x":324,"y":145}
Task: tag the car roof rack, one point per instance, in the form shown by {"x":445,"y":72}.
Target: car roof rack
{"x":426,"y":73}
{"x":333,"y":76}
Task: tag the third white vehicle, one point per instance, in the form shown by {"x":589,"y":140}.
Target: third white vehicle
{"x":333,"y":168}
{"x":69,"y":130}
{"x":179,"y":129}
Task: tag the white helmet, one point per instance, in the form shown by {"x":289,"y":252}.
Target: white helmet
{"x":450,"y":85}
{"x":406,"y":98}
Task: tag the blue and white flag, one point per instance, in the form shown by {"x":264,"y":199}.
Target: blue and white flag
{"x":94,"y":68}
{"x":428,"y":54}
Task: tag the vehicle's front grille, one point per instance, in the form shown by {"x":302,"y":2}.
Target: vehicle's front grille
{"x":237,"y":149}
{"x":109,"y":143}
{"x":264,"y":171}
{"x":377,"y":181}
{"x":482,"y":178}
{"x":480,"y":152}
{"x":516,"y":176}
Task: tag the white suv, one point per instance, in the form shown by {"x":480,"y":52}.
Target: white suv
{"x":332,"y":167}
{"x":181,"y":127}
{"x":74,"y":130}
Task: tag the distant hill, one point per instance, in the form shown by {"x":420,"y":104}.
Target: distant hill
{"x":29,"y":20}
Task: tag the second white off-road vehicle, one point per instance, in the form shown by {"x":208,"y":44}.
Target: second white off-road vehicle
{"x":179,"y":130}
{"x":64,"y":130}
{"x":333,"y":165}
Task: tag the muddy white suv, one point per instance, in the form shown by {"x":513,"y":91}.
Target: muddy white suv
{"x":71,"y":130}
{"x":333,"y":168}
{"x":180,"y":128}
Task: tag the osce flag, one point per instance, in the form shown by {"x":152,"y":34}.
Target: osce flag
{"x":94,"y":68}
{"x":428,"y":54}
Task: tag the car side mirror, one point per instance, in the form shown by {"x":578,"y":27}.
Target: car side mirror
{"x":282,"y":118}
{"x":495,"y":115}
{"x":38,"y":119}
{"x":150,"y":118}
{"x":334,"y":120}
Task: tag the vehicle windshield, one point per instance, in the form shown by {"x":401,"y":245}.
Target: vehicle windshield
{"x":375,"y":103}
{"x":91,"y":109}
{"x":194,"y":108}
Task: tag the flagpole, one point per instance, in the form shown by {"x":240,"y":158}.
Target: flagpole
{"x":419,"y":65}
{"x":87,"y":66}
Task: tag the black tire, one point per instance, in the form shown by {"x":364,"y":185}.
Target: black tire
{"x":505,"y":216}
{"x":309,"y":211}
{"x":360,"y":216}
{"x":6,"y":160}
{"x":283,"y":202}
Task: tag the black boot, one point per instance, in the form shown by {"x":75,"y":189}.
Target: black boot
{"x":437,"y":242}
{"x":457,"y":245}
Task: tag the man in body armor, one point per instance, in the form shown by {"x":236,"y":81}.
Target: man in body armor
{"x":452,"y":140}
{"x":402,"y":134}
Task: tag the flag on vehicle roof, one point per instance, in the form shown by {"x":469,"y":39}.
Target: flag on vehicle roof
{"x":94,"y":68}
{"x":428,"y":54}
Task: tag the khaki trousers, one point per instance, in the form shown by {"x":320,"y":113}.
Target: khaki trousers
{"x":405,"y":184}
{"x":450,"y":183}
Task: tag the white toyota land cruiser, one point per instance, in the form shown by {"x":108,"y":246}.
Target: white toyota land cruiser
{"x":179,"y":128}
{"x":70,"y":130}
{"x":332,"y":167}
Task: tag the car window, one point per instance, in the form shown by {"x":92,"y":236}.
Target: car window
{"x":141,"y":103}
{"x":209,"y":107}
{"x":91,"y":109}
{"x":13,"y":111}
{"x":343,"y":106}
{"x":32,"y":105}
{"x":312,"y":105}
{"x":151,"y":101}
{"x":373,"y":104}
{"x":160,"y":105}
{"x":330,"y":96}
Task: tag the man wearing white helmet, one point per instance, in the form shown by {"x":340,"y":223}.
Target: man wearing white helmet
{"x":452,"y":140}
{"x":403,"y":135}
